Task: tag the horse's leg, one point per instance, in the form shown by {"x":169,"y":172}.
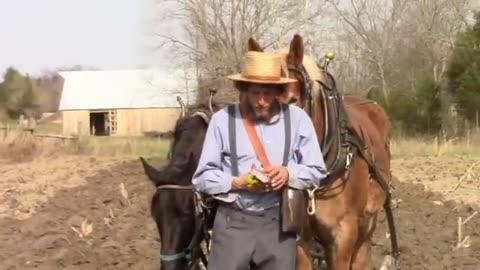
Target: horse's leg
{"x":361,"y":256}
{"x":349,"y":230}
{"x":345,"y":241}
{"x":304,"y":261}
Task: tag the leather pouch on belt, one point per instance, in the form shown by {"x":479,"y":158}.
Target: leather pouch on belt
{"x":294,"y":210}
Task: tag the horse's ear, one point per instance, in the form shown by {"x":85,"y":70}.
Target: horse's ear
{"x":152,"y":173}
{"x":295,"y":55}
{"x":254,"y":46}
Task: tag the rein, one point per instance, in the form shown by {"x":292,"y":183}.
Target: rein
{"x":189,"y":187}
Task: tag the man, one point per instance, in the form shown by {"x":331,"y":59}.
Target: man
{"x":247,"y":228}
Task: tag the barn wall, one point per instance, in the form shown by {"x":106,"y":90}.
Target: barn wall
{"x":130,"y":122}
{"x":133,"y":122}
{"x":75,"y":122}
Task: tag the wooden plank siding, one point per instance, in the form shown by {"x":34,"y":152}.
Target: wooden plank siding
{"x":130,"y":122}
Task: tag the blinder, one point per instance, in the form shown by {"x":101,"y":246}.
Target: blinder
{"x":306,"y":93}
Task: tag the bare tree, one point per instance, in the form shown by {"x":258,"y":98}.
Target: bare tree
{"x":214,"y":32}
{"x":396,"y":40}
{"x":373,"y":25}
{"x":437,"y":23}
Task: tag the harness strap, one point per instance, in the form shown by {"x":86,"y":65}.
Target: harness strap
{"x":173,"y":257}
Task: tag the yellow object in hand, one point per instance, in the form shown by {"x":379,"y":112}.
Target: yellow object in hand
{"x":252,"y":180}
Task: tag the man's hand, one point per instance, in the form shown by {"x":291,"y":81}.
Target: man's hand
{"x":278,"y":175}
{"x":241,"y":182}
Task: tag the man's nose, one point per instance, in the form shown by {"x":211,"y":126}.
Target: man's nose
{"x":261,"y":99}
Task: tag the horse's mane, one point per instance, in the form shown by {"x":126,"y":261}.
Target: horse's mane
{"x":311,"y":67}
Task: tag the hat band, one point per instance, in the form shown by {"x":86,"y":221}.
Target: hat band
{"x":262,"y":78}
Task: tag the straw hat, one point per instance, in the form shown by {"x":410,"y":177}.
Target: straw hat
{"x":261,"y":67}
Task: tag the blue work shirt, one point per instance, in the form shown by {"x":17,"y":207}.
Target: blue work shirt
{"x":306,"y":166}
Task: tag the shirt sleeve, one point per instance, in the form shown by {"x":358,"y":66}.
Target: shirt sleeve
{"x":307,"y":168}
{"x":209,"y":177}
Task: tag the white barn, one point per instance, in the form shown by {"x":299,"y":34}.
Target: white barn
{"x":123,"y":102}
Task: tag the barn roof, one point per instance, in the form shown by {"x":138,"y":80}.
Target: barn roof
{"x":120,"y":89}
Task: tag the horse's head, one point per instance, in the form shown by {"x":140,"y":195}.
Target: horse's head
{"x":185,"y":150}
{"x":306,"y":92}
{"x":172,"y":206}
{"x":292,"y":67}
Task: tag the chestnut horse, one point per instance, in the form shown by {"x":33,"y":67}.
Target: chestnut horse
{"x":354,"y":134}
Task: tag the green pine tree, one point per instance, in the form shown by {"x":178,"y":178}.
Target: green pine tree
{"x":464,"y":71}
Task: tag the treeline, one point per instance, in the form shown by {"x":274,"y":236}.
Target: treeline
{"x":449,"y":104}
{"x":16,"y":95}
{"x":419,"y":58}
{"x":21,"y":94}
{"x":464,"y":74}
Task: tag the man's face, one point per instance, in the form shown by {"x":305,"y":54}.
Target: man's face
{"x":261,"y":98}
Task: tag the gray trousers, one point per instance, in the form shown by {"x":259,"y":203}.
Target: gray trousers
{"x":241,"y":240}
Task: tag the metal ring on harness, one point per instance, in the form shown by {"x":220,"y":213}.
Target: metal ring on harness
{"x":311,"y":201}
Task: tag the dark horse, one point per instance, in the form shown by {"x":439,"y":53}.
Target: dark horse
{"x":173,"y":206}
{"x":354,"y":134}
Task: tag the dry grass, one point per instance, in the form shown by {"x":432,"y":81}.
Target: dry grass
{"x":119,"y":146}
{"x":22,"y":146}
{"x":49,"y":127}
{"x":436,"y":146}
{"x":18,"y":146}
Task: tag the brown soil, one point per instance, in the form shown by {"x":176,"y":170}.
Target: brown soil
{"x":427,"y":221}
{"x":38,"y":225}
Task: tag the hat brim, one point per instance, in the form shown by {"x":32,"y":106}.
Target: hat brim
{"x":239,"y":77}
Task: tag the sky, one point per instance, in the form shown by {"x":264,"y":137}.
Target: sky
{"x":42,"y":35}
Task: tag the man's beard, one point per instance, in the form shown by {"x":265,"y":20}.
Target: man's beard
{"x":261,"y":114}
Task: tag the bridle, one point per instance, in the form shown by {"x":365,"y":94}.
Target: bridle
{"x":182,"y":254}
{"x":306,"y":91}
{"x":201,"y":211}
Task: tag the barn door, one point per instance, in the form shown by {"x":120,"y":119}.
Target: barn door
{"x":112,"y":122}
